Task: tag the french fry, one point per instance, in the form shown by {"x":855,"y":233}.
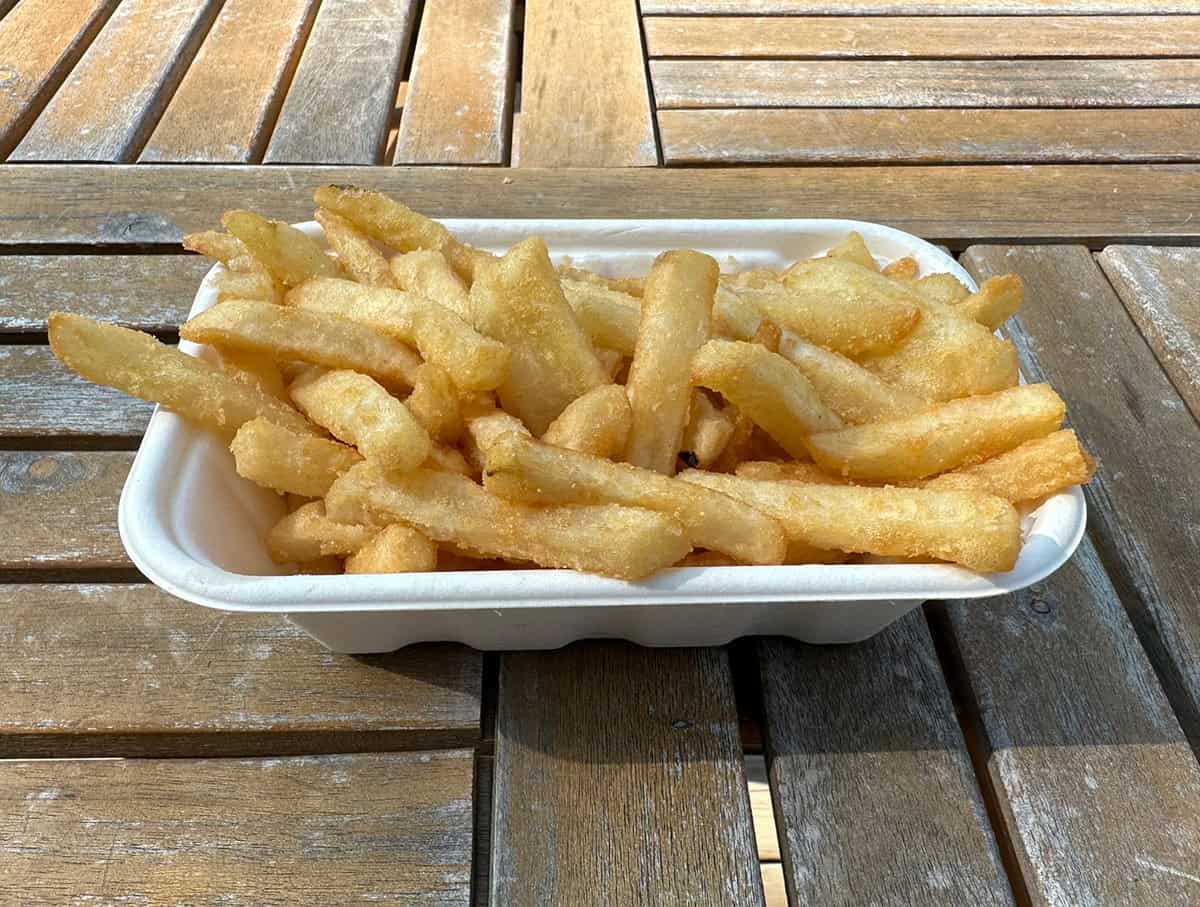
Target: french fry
{"x":308,"y":534}
{"x":323,"y":566}
{"x":142,"y":367}
{"x":236,"y":285}
{"x":625,"y":542}
{"x":356,"y":253}
{"x":435,"y":404}
{"x":758,"y":278}
{"x":944,"y":288}
{"x":977,"y":530}
{"x":518,"y":302}
{"x":427,"y":273}
{"x":287,"y":332}
{"x":708,"y":431}
{"x":996,"y":301}
{"x":612,"y":362}
{"x":484,"y":429}
{"x":767,"y":388}
{"x":610,"y":318}
{"x":395,"y":549}
{"x":596,"y":423}
{"x":222,"y":247}
{"x":854,"y":250}
{"x":707,"y":559}
{"x":789,"y":471}
{"x":631,"y":286}
{"x":474,"y":362}
{"x":958,"y":433}
{"x":737,"y":448}
{"x":291,"y":255}
{"x":449,"y":459}
{"x":358,"y":410}
{"x":768,"y":335}
{"x":676,"y":320}
{"x":905,"y":268}
{"x":257,"y":368}
{"x":1035,"y":469}
{"x":286,"y":461}
{"x":524,"y":470}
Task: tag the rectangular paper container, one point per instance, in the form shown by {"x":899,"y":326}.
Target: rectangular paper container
{"x":195,"y":528}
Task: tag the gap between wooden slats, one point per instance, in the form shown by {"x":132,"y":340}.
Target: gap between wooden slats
{"x":916,"y":7}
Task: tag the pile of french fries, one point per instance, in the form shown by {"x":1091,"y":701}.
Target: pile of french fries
{"x":427,"y":405}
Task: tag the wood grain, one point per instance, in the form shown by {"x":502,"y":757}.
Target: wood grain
{"x":584,"y":99}
{"x":874,"y":793}
{"x":952,"y":37}
{"x":150,"y":204}
{"x":344,"y":90}
{"x":762,"y":811}
{"x":116,"y":92}
{"x":884,"y":135}
{"x":39,"y":43}
{"x":1074,"y":333}
{"x":619,"y":780}
{"x":1158,"y":287}
{"x":1077,"y":731}
{"x":226,"y":104}
{"x":392,"y":828}
{"x":925,"y":83}
{"x":166,"y":677}
{"x":917,"y":7}
{"x":148,"y":292}
{"x":460,"y":92}
{"x":774,"y":885}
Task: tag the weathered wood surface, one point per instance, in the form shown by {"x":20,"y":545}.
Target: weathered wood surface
{"x":925,"y":83}
{"x":151,"y":204}
{"x":148,"y":292}
{"x":874,"y":792}
{"x":886,"y":135}
{"x":917,"y":7}
{"x":774,"y":886}
{"x":115,"y":94}
{"x":1096,"y":783}
{"x":1161,"y":289}
{"x":38,"y":46}
{"x":226,"y":104}
{"x":584,"y":99}
{"x":954,"y":37}
{"x":344,"y":91}
{"x":165,"y":677}
{"x":460,"y":93}
{"x":40,"y":398}
{"x":1144,"y":501}
{"x":619,"y":780}
{"x":392,"y":828}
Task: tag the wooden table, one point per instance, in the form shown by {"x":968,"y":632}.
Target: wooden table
{"x":1038,"y":749}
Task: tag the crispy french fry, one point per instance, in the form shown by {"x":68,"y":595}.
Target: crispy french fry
{"x":294,"y":502}
{"x":1033,"y":470}
{"x":355,"y":251}
{"x":235,"y":285}
{"x":625,"y":542}
{"x":768,"y":335}
{"x":308,"y":534}
{"x":449,"y":459}
{"x":610,"y":318}
{"x":612,"y":361}
{"x":788,"y":471}
{"x":958,"y":433}
{"x":996,"y":301}
{"x":905,"y":268}
{"x":394,"y":549}
{"x":631,"y":286}
{"x":524,"y":470}
{"x":435,"y":404}
{"x":944,"y":288}
{"x":675,"y":321}
{"x":484,"y":429}
{"x":737,"y":448}
{"x":758,"y":278}
{"x":707,"y":559}
{"x":287,"y":332}
{"x":274,"y":457}
{"x":854,"y":250}
{"x":257,"y":368}
{"x":767,"y":388}
{"x":358,"y":410}
{"x":518,"y":301}
{"x":324,"y":566}
{"x":291,"y":255}
{"x":427,"y":273}
{"x":734,"y":317}
{"x":142,"y":367}
{"x":977,"y":530}
{"x":222,"y":247}
{"x":708,"y":431}
{"x":596,"y":423}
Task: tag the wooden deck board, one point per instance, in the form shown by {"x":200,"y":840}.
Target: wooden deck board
{"x":917,"y":7}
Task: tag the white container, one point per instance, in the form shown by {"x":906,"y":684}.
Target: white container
{"x":195,"y":528}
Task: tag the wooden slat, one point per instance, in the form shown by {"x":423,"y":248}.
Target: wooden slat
{"x":954,"y":37}
{"x":774,"y":886}
{"x":39,"y":398}
{"x":61,"y":509}
{"x":875,"y":135}
{"x":341,"y":100}
{"x":1078,"y":732}
{"x":165,"y":677}
{"x":1158,"y":287}
{"x":157,"y":204}
{"x":874,"y":791}
{"x":1074,"y":332}
{"x":388,"y":828}
{"x":39,"y":44}
{"x":227,"y":103}
{"x":459,"y":98}
{"x":115,"y":94}
{"x":619,"y":780}
{"x":149,"y":292}
{"x":925,"y":83}
{"x":761,"y":810}
{"x":584,"y":100}
{"x":917,"y":7}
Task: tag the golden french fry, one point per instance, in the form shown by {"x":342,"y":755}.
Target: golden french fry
{"x":708,"y":431}
{"x":355,"y":251}
{"x":610,"y":318}
{"x":707,"y":559}
{"x":676,"y":319}
{"x":977,"y":530}
{"x":758,"y":278}
{"x":521,"y":469}
{"x":854,"y":250}
{"x":236,"y":285}
{"x":944,"y":288}
{"x":142,"y":367}
{"x":291,"y":255}
{"x":958,"y":433}
{"x":596,"y":423}
{"x":308,"y":534}
{"x":259,"y":369}
{"x":274,"y":457}
{"x":435,"y":404}
{"x":287,"y":332}
{"x":518,"y":301}
{"x":484,"y":429}
{"x":358,"y":410}
{"x":737,"y":448}
{"x":394,"y":549}
{"x":768,"y":335}
{"x":625,"y":542}
{"x":788,"y":471}
{"x":612,"y":361}
{"x":1035,"y":469}
{"x":905,"y":268}
{"x":996,"y":301}
{"x":222,"y":247}
{"x":449,"y":459}
{"x":427,"y":273}
{"x":631,"y":286}
{"x":323,"y":566}
{"x":767,"y":388}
